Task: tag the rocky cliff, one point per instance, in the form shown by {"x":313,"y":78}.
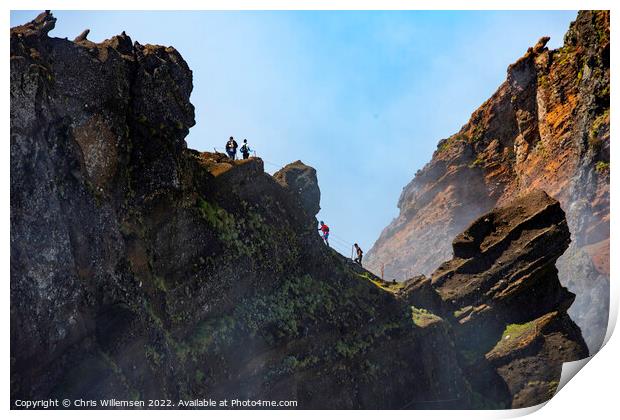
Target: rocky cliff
{"x":502,"y":295}
{"x":141,"y":269}
{"x":546,"y":127}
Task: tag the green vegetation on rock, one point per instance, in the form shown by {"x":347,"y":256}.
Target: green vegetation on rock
{"x":478,"y":162}
{"x":388,"y":286}
{"x":423,"y":318}
{"x":514,"y":336}
{"x":602,"y":167}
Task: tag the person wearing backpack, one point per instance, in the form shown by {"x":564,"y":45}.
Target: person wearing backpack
{"x":359,"y":253}
{"x":325,"y":230}
{"x":231,"y":148}
{"x":245,"y":149}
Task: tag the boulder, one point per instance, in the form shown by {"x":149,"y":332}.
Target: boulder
{"x":301,"y":180}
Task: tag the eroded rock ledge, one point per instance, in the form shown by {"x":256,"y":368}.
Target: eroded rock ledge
{"x":503,"y":298}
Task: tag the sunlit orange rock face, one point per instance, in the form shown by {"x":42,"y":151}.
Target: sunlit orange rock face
{"x":546,"y":127}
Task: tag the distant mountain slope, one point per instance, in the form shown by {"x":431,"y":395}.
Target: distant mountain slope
{"x":546,"y":127}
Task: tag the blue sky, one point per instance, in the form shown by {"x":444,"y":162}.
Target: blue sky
{"x":364,"y":97}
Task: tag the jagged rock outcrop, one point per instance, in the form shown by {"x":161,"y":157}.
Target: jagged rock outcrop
{"x":546,"y":127}
{"x":502,"y":294}
{"x":301,"y":180}
{"x":141,"y":269}
{"x":504,"y":266}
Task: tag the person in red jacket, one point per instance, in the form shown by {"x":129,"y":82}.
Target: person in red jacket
{"x":325,"y":230}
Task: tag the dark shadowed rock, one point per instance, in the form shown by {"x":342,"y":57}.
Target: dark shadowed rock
{"x":508,"y":309}
{"x":301,"y":179}
{"x":529,"y":356}
{"x":504,"y":264}
{"x":82,"y":36}
{"x":141,"y":269}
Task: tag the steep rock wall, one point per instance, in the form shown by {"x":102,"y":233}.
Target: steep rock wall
{"x":141,"y":269}
{"x":546,"y":127}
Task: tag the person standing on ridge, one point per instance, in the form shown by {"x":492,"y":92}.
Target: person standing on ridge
{"x":359,"y":253}
{"x":245,"y":149}
{"x":325,"y":230}
{"x":231,"y":148}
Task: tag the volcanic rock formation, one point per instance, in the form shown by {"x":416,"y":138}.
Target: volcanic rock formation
{"x":141,"y":269}
{"x":502,"y":294}
{"x":301,"y":179}
{"x":546,"y":127}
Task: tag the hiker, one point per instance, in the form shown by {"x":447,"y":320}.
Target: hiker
{"x":325,"y":230}
{"x":359,"y":253}
{"x":245,"y":149}
{"x":231,"y":148}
